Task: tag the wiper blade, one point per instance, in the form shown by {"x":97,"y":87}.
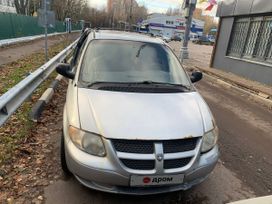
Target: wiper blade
{"x":95,"y":83}
{"x":164,"y":83}
{"x":138,"y":83}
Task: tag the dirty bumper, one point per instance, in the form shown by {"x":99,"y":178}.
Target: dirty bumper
{"x":109,"y":178}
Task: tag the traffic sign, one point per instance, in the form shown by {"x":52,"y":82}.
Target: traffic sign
{"x":49,"y":19}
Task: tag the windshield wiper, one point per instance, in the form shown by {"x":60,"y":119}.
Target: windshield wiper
{"x":138,"y":83}
{"x":163,"y":83}
{"x":95,"y":83}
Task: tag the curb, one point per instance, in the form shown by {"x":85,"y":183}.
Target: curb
{"x":254,"y":94}
{"x":242,"y":86}
{"x":251,"y":94}
{"x":38,"y":108}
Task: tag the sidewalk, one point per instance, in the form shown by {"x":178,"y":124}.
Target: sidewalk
{"x":199,"y":58}
{"x":262,"y":90}
{"x":12,"y":41}
{"x":18,"y":51}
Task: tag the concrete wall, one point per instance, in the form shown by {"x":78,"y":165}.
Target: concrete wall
{"x":7,"y":6}
{"x":252,"y":70}
{"x":243,"y":7}
{"x":7,"y":9}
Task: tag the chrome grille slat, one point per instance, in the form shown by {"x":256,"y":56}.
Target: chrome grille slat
{"x":179,"y":155}
{"x":134,"y":156}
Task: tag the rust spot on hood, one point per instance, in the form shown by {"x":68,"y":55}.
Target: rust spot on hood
{"x":188,"y":137}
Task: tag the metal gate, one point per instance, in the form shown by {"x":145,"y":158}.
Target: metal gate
{"x":252,"y":39}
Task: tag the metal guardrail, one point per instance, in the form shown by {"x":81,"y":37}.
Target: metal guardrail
{"x":13,"y":98}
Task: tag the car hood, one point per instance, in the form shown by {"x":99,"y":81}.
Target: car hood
{"x":145,"y":116}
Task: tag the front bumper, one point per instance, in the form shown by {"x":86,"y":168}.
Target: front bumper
{"x":107,"y":174}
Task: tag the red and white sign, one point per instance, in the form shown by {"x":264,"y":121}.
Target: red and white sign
{"x":157,"y":180}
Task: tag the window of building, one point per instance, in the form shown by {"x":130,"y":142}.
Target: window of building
{"x":170,"y":22}
{"x":252,"y":39}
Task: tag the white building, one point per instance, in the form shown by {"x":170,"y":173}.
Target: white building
{"x":160,"y":24}
{"x":7,"y":6}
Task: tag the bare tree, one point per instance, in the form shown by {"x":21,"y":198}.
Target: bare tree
{"x":209,"y":20}
{"x":21,"y":6}
{"x":126,"y":10}
{"x":169,"y":11}
{"x":79,"y":10}
{"x":174,"y":11}
{"x":68,"y":8}
{"x":33,"y":6}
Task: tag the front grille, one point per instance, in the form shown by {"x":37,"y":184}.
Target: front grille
{"x":148,"y":147}
{"x":134,"y":146}
{"x":176,"y":163}
{"x":139,"y":164}
{"x":173,"y":146}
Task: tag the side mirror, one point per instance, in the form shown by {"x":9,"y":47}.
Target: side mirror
{"x":65,"y":70}
{"x":196,"y":76}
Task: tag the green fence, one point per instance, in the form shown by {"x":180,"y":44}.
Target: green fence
{"x":14,"y":26}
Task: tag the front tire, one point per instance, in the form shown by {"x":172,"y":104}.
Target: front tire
{"x":62,"y":157}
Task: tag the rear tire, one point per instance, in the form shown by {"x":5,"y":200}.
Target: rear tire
{"x":64,"y":166}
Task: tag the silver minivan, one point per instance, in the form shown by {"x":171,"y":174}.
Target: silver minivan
{"x":133,"y":123}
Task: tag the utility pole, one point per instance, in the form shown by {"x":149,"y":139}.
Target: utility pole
{"x":113,"y":13}
{"x":188,"y":7}
{"x":45,"y":29}
{"x":46,"y":18}
{"x":130,"y":14}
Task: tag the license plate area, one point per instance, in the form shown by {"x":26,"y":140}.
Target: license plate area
{"x":156,"y":180}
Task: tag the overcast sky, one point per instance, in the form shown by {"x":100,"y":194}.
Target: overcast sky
{"x":159,"y":6}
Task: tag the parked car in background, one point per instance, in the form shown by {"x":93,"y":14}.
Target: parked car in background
{"x":176,"y":38}
{"x":212,"y":39}
{"x":203,"y":40}
{"x":194,"y":37}
{"x":133,"y":122}
{"x":166,"y":39}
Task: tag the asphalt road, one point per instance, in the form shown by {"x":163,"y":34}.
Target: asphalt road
{"x":244,"y":169}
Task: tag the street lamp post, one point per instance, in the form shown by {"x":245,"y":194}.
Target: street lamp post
{"x":189,"y":7}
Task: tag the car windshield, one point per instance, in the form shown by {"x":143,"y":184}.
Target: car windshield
{"x":129,"y":62}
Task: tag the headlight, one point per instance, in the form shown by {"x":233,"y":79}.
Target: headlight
{"x":209,"y":140}
{"x":88,"y":142}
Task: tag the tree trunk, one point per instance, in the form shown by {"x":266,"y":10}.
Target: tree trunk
{"x":21,"y":6}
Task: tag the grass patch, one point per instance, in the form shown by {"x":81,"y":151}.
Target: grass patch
{"x":14,"y":72}
{"x":17,"y":129}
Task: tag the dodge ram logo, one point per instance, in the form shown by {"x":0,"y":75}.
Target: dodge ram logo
{"x":159,"y":157}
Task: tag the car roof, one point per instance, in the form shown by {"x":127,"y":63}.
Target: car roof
{"x":123,"y":35}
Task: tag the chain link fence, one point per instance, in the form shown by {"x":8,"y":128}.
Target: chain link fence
{"x":14,"y":26}
{"x":252,"y":39}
